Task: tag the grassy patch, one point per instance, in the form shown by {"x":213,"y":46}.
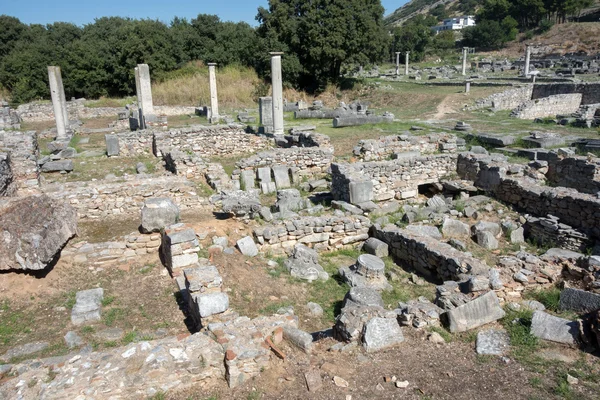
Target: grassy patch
{"x":108,"y":300}
{"x":447,"y":336}
{"x":113,"y":315}
{"x":550,"y":297}
{"x":13,"y":323}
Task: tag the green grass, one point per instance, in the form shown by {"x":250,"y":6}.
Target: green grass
{"x":13,"y":323}
{"x":447,"y":336}
{"x":108,"y":300}
{"x":113,"y":315}
{"x":129,"y":337}
{"x":549,"y":297}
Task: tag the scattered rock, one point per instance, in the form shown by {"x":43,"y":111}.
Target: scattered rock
{"x":478,"y":312}
{"x":87,"y":306}
{"x":72,"y":340}
{"x":555,"y":329}
{"x":381,"y":333}
{"x":314,"y":309}
{"x":340,"y":382}
{"x":24,"y":350}
{"x":579,"y":300}
{"x":247,"y":246}
{"x":158,"y":213}
{"x":492,"y":342}
{"x":304,"y":264}
{"x":314,"y":381}
{"x":435,"y":337}
{"x":455,"y":229}
{"x":376,"y":247}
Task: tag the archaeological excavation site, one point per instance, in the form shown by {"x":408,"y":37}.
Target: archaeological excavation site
{"x":433,"y":233}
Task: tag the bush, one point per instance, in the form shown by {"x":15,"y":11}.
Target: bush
{"x":545,"y":25}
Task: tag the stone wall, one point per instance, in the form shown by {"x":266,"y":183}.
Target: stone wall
{"x":21,"y":155}
{"x":560,"y":104}
{"x":307,"y":160}
{"x":579,"y":173}
{"x":590,"y":91}
{"x":210,"y":141}
{"x":549,"y":231}
{"x":386,"y":146}
{"x":125,"y":197}
{"x":196,"y":168}
{"x":7,"y":185}
{"x":391,"y":179}
{"x":9,"y":119}
{"x":506,"y":100}
{"x":135,"y":143}
{"x":35,"y":112}
{"x":429,"y":256}
{"x":578,"y":210}
{"x":321,"y":233}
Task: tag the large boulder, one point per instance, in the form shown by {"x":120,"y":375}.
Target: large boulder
{"x":242,"y":204}
{"x":304,"y":264}
{"x":34,"y":230}
{"x":158,"y":213}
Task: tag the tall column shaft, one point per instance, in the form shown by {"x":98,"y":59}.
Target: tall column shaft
{"x":214,"y":99}
{"x":277,"y":85}
{"x":59,"y":103}
{"x":144,"y":92}
{"x":398,"y":63}
{"x":527,"y":59}
{"x":406,"y":63}
{"x":464,"y":63}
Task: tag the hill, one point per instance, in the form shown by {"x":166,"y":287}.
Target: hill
{"x":416,"y":7}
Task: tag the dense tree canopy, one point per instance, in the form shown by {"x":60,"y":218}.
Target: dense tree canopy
{"x":320,"y":36}
{"x":98,"y":59}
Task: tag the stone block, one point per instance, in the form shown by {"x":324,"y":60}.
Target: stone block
{"x":303,"y":340}
{"x":555,"y":329}
{"x":486,"y":240}
{"x":112,"y":145}
{"x":476,"y":313}
{"x":342,"y":205}
{"x":455,"y":229}
{"x":247,"y":246}
{"x":579,"y":300}
{"x":281,"y":175}
{"x":87,"y":306}
{"x":264,"y":174}
{"x":486,"y":226}
{"x":376,"y":247}
{"x":363,"y":296}
{"x":58,"y":166}
{"x":158,"y":213}
{"x":211,"y":303}
{"x":361,"y":192}
{"x":381,"y":333}
{"x":493,"y":342}
{"x":425,"y":230}
{"x":247,"y":180}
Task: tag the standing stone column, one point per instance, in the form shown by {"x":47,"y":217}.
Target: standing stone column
{"x":277,"y":85}
{"x":144,"y":93}
{"x":214,"y":99}
{"x":59,"y":102}
{"x":397,"y":63}
{"x":265,"y":111}
{"x":406,"y":63}
{"x":527,"y":59}
{"x":467,"y":86}
{"x":464,"y":63}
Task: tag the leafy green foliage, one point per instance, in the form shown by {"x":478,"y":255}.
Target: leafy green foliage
{"x":319,"y":37}
{"x":490,"y":34}
{"x":414,"y":36}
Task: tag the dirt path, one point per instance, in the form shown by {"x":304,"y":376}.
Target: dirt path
{"x":450,"y":105}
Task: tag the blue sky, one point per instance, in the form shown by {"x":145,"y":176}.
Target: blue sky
{"x":81,"y":12}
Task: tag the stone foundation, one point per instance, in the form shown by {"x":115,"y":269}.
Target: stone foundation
{"x":389,"y":179}
{"x":506,"y":100}
{"x":581,"y":173}
{"x":548,"y":106}
{"x":126,"y":196}
{"x":429,"y":256}
{"x":386,"y":146}
{"x":19,"y":168}
{"x":548,"y":231}
{"x":321,"y":233}
{"x":307,"y":160}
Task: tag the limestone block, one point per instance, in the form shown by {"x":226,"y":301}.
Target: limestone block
{"x":87,"y":306}
{"x":299,"y":338}
{"x":58,"y":166}
{"x":381,"y":333}
{"x":486,"y":240}
{"x":281,"y":175}
{"x":211,"y":303}
{"x":361,"y":192}
{"x":555,"y":329}
{"x":247,"y":246}
{"x":158,"y":213}
{"x":478,"y":312}
{"x":112,"y":145}
{"x":579,"y":300}
{"x":376,"y":247}
{"x":493,"y":342}
{"x":247,"y":179}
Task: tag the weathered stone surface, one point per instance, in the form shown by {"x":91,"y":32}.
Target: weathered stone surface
{"x":376,"y":247}
{"x":87,"y":306}
{"x":486,"y":226}
{"x":478,"y":283}
{"x":555,"y":329}
{"x":299,"y":338}
{"x":363,"y":296}
{"x":579,"y":300}
{"x":241,"y":203}
{"x":478,"y":312}
{"x":247,"y":246}
{"x":304,"y":264}
{"x":381,"y":333}
{"x":72,"y":339}
{"x":211,"y":303}
{"x":314,"y":309}
{"x":486,"y":240}
{"x":369,"y":271}
{"x":158,"y":213}
{"x":34,"y":230}
{"x":289,"y":200}
{"x":342,"y":205}
{"x":58,"y":166}
{"x":426,"y":230}
{"x":112,"y":145}
{"x":314,"y":381}
{"x":492,"y":342}
{"x":281,"y":175}
{"x":455,"y":229}
{"x":24,"y":350}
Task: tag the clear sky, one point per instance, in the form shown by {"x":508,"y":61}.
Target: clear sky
{"x":82,"y":12}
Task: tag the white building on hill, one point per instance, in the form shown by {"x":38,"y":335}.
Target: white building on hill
{"x":455,"y":24}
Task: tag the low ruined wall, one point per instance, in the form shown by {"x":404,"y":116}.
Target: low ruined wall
{"x":135,"y":143}
{"x":392,"y":179}
{"x":429,"y":256}
{"x":7,"y":186}
{"x":321,"y":233}
{"x":506,"y":100}
{"x":384,"y":147}
{"x":35,"y":112}
{"x":578,"y":173}
{"x":210,"y":141}
{"x":125,"y":197}
{"x":313,"y":139}
{"x":307,"y":160}
{"x":578,"y":210}
{"x":561,"y":104}
{"x":590,"y":91}
{"x":548,"y":231}
{"x":20,"y":162}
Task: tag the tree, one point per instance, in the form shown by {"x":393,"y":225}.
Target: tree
{"x":414,"y":36}
{"x":490,"y":35}
{"x":11,"y":30}
{"x":320,"y":36}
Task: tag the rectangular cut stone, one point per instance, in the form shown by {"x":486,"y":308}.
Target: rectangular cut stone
{"x":184,"y":260}
{"x":247,"y":179}
{"x":579,"y":300}
{"x":282,"y":177}
{"x":187,"y":235}
{"x":211,"y":303}
{"x":202,"y":279}
{"x":555,"y":329}
{"x":265,"y":109}
{"x":361,"y":192}
{"x":478,"y":312}
{"x":299,"y":338}
{"x":264,"y":174}
{"x":268,"y":187}
{"x":112,"y":145}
